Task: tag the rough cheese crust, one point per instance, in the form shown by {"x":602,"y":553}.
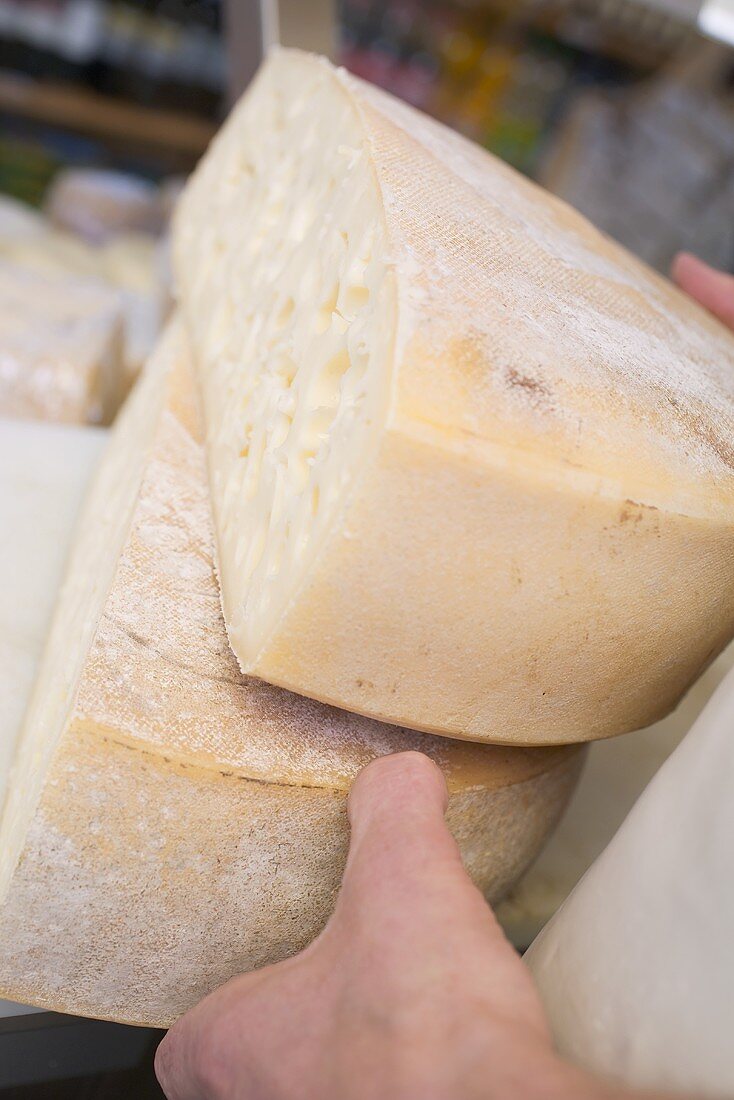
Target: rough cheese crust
{"x":512,"y":518}
{"x":60,"y":348}
{"x":191,"y":823}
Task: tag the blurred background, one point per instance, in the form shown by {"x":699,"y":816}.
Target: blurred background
{"x":622,"y":106}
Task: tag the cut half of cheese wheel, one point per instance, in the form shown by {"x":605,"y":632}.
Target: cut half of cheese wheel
{"x":169,"y":822}
{"x":471,"y":463}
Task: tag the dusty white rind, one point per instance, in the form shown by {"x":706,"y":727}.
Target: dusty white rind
{"x":60,"y":348}
{"x":192,"y":823}
{"x":535,"y":542}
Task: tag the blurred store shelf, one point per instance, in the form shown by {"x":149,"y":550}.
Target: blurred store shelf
{"x":88,"y":112}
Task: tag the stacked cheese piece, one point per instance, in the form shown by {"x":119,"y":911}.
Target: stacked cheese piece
{"x":111,"y":299}
{"x":469,"y":471}
{"x":60,"y":348}
{"x":169,"y":821}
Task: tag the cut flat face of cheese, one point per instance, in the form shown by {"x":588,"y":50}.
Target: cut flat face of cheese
{"x":470,"y":462}
{"x":60,"y":348}
{"x":171,"y":823}
{"x":636,"y":970}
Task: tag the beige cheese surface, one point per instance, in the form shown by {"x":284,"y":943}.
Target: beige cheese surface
{"x":470,"y":462}
{"x":191,"y":823}
{"x":60,"y":348}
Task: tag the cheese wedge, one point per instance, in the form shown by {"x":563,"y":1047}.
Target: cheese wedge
{"x":471,"y":463}
{"x":169,"y":822}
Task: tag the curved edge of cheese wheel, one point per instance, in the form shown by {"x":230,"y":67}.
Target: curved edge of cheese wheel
{"x":144,"y":885}
{"x":171,"y":822}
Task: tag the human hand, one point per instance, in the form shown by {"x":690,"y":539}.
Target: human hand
{"x":410,"y":993}
{"x":713,"y":289}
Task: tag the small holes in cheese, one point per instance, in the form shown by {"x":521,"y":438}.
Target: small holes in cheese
{"x":289,"y":364}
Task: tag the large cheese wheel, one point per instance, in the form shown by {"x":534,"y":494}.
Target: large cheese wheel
{"x":471,"y":462}
{"x":636,"y":970}
{"x":169,"y":822}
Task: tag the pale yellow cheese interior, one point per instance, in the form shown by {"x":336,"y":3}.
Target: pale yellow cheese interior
{"x":293,"y":330}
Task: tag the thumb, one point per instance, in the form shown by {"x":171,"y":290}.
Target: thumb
{"x":713,"y":289}
{"x":407,"y":904}
{"x":404,"y":872}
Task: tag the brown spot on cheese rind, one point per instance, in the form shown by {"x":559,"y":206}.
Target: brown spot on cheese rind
{"x":526,"y":382}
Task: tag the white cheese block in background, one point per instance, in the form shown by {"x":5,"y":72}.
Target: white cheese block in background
{"x":18,"y":221}
{"x":471,"y":463}
{"x":637,"y":969}
{"x":169,"y":822}
{"x":60,"y":348}
{"x":97,"y":204}
{"x":131,"y":264}
{"x":44,"y":472}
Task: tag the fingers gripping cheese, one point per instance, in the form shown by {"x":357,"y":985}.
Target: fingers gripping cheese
{"x":171,"y":823}
{"x":471,"y":463}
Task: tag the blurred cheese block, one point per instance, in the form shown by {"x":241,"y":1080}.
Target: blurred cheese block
{"x":130,"y":264}
{"x":60,"y":348}
{"x":44,"y":472}
{"x":637,"y":969}
{"x":135,"y":264}
{"x":471,"y":463}
{"x":97,"y":204}
{"x":170,"y":822}
{"x":19,"y":221}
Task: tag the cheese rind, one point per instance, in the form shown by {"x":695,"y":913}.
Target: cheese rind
{"x":170,"y":822}
{"x":512,"y":517}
